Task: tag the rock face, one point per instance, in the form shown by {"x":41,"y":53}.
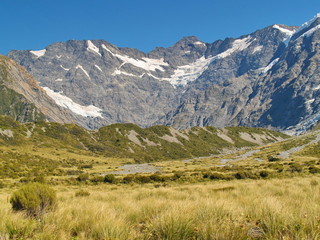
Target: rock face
{"x":267,"y":78}
{"x":22,"y":99}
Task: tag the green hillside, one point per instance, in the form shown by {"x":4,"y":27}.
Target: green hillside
{"x":54,"y":148}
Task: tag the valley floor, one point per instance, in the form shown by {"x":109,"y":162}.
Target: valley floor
{"x":282,"y":208}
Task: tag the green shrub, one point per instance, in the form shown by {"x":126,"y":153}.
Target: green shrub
{"x":264,"y":174}
{"x":39,"y":179}
{"x":83,"y":177}
{"x":273,"y":159}
{"x":314,"y":169}
{"x":25,"y":180}
{"x":177,"y":175}
{"x":34,"y":198}
{"x":143,"y":179}
{"x":109,"y":178}
{"x":216,"y":176}
{"x":82,"y":193}
{"x":97,"y":179}
{"x":295,"y":167}
{"x":86,"y":166}
{"x":244,"y":175}
{"x":128,"y":179}
{"x":156,"y":178}
{"x":206,"y":175}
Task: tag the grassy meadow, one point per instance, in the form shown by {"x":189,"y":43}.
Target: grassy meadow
{"x":232,"y":183}
{"x":286,"y":208}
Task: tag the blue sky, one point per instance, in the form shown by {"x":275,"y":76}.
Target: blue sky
{"x":141,"y":24}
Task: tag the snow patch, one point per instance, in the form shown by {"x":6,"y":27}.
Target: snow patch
{"x":66,"y":69}
{"x":93,"y":48}
{"x":148,"y":64}
{"x":310,"y":32}
{"x":316,"y":88}
{"x":98,"y":68}
{"x":64,"y":101}
{"x":270,"y":65}
{"x":237,"y":46}
{"x":308,"y":24}
{"x":80,"y":67}
{"x":284,"y":30}
{"x":288,"y":33}
{"x":119,"y":72}
{"x":188,"y":73}
{"x":39,"y":53}
{"x":309,"y":102}
{"x":257,"y":49}
{"x":199,"y":43}
{"x":107,"y":49}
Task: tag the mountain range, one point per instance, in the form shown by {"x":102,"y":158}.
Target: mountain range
{"x":268,"y":78}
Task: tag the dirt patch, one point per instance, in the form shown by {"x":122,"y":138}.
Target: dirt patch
{"x":6,"y":132}
{"x":150,"y":143}
{"x":171,"y":139}
{"x":132,"y":136}
{"x":176,"y":133}
{"x":136,"y":168}
{"x":255,"y":138}
{"x":222,"y":133}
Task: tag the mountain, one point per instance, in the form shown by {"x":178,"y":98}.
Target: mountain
{"x":267,"y":78}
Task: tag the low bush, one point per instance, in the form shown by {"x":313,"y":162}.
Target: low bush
{"x":156,"y":178}
{"x":143,"y":179}
{"x":177,"y":175}
{"x":82,"y":193}
{"x":34,"y":198}
{"x":314,"y":169}
{"x":83,"y":177}
{"x":109,"y":178}
{"x":86,"y":166}
{"x":295,"y":167}
{"x":206,"y":175}
{"x":97,"y":179}
{"x":216,"y":176}
{"x":128,"y":179}
{"x":264,"y":174}
{"x":273,"y":159}
{"x":39,"y":179}
{"x":244,"y":175}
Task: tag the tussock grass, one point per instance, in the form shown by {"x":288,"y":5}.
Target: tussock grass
{"x":285,"y":208}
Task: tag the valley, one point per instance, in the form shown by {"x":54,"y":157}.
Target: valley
{"x":196,"y":141}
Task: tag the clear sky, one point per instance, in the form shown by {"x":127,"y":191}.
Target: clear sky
{"x":141,"y":24}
